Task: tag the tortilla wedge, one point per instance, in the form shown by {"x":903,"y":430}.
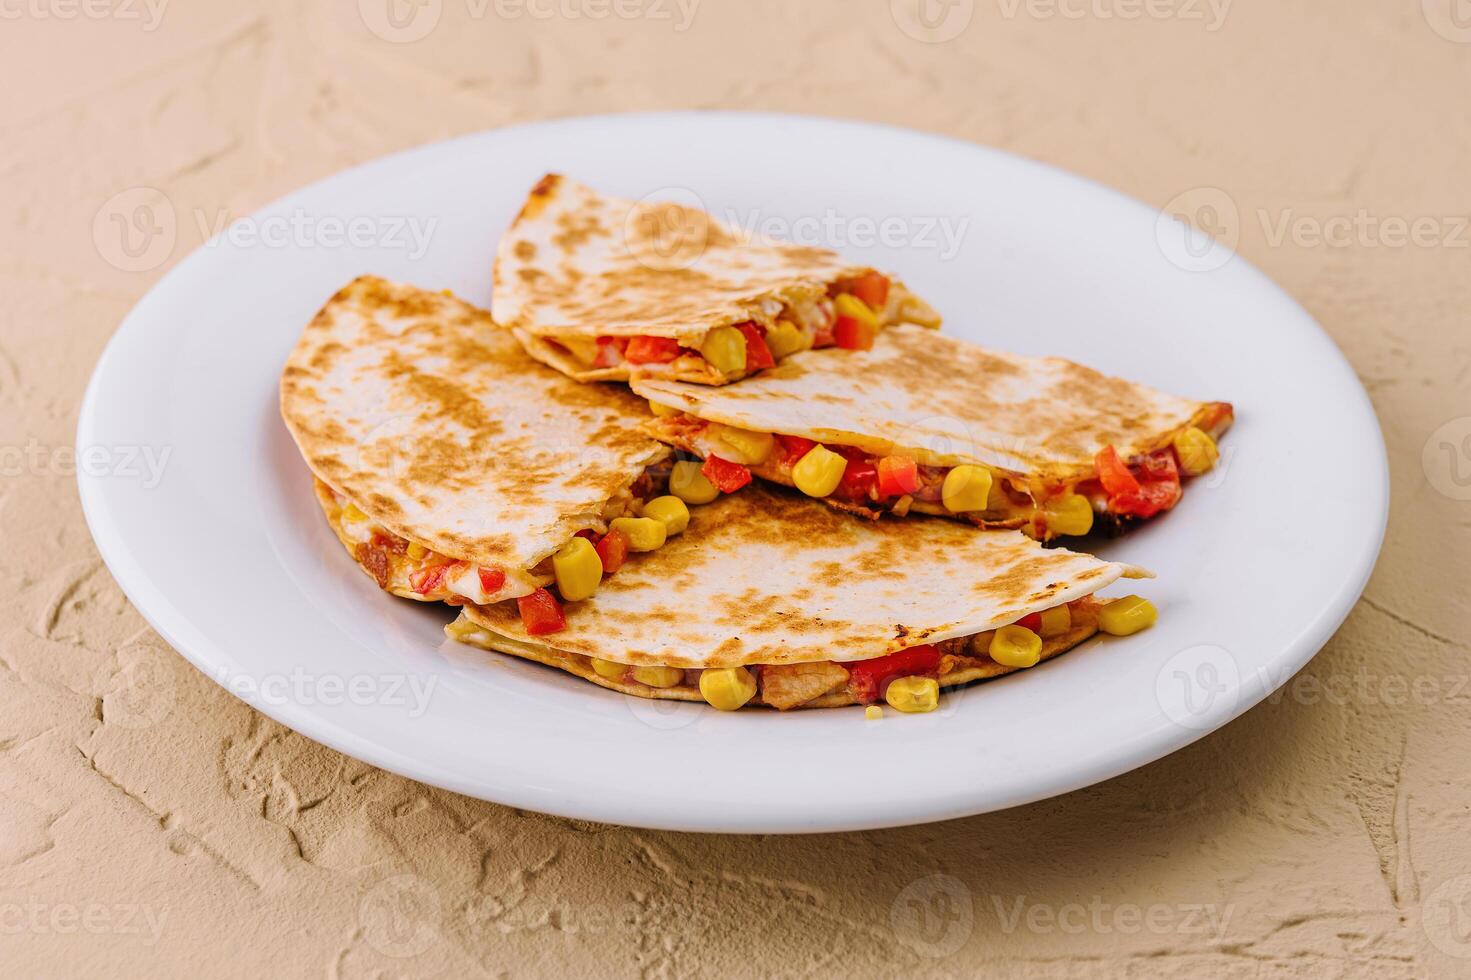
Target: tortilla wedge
{"x":766,"y":577}
{"x":450,"y":464}
{"x":1041,"y":444}
{"x":603,"y":288}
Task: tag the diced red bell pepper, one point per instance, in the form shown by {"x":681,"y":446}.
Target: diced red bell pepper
{"x":728,"y":477}
{"x":758,"y":355}
{"x":794,"y":448}
{"x":852,"y":334}
{"x":858,"y":478}
{"x":868,"y":678}
{"x":652,"y":350}
{"x":426,"y":580}
{"x":491,"y":580}
{"x":897,"y":475}
{"x":1151,"y":484}
{"x":588,"y":533}
{"x":612,"y":550}
{"x":1113,"y":474}
{"x":610,"y":351}
{"x":541,"y":613}
{"x":1032,"y":621}
{"x":872,"y":288}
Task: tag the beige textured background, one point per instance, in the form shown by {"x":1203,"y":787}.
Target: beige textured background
{"x":150,"y":822}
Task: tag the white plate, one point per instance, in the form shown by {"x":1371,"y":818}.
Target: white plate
{"x":229,"y":558}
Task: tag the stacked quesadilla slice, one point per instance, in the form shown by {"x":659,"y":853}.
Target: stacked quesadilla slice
{"x":779,"y":601}
{"x":927,"y":424}
{"x":604,"y":289}
{"x":455,"y":468}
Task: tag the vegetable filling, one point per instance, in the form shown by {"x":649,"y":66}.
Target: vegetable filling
{"x":1117,"y":491}
{"x":849,"y":316}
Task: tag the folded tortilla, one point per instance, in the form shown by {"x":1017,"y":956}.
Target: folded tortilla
{"x":1036,"y":424}
{"x":767,"y":577}
{"x":450,"y":464}
{"x":580,"y":274}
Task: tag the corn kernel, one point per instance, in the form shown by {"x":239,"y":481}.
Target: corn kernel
{"x":670,"y":510}
{"x":1130,"y":614}
{"x":1070,"y":513}
{"x":352,"y":513}
{"x":1057,"y":620}
{"x":417,"y":551}
{"x":643,"y":533}
{"x":786,"y":338}
{"x":966,"y":488}
{"x":725,"y":349}
{"x":607,"y":668}
{"x":849,"y":305}
{"x":690,"y":485}
{"x":819,"y":472}
{"x":727,"y":688}
{"x":663,"y":411}
{"x":873,"y":712}
{"x":744,"y":446}
{"x":1197,"y":451}
{"x":658,"y":676}
{"x":1016,"y":646}
{"x":578,"y":570}
{"x":913,"y":695}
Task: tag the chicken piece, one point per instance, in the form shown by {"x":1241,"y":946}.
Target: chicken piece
{"x":790,"y":685}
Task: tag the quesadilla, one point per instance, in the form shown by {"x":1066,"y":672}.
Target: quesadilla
{"x":780,"y":601}
{"x":604,"y":289}
{"x":928,"y":424}
{"x":453,"y":467}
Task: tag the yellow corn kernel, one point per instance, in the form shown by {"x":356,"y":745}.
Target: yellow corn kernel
{"x":1127,"y":615}
{"x":786,"y":338}
{"x":873,"y":712}
{"x":966,"y":488}
{"x":643,"y":533}
{"x":1197,"y":451}
{"x":725,"y":349}
{"x":670,"y":510}
{"x":607,"y":668}
{"x":913,"y":695}
{"x":663,"y":411}
{"x":578,"y":570}
{"x":849,"y":305}
{"x":727,"y":688}
{"x":819,"y":472}
{"x":1016,"y":646}
{"x":1070,"y":513}
{"x":417,"y":551}
{"x":690,"y":485}
{"x":1057,"y":620}
{"x":658,"y":676}
{"x":744,"y":446}
{"x":351,"y":513}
